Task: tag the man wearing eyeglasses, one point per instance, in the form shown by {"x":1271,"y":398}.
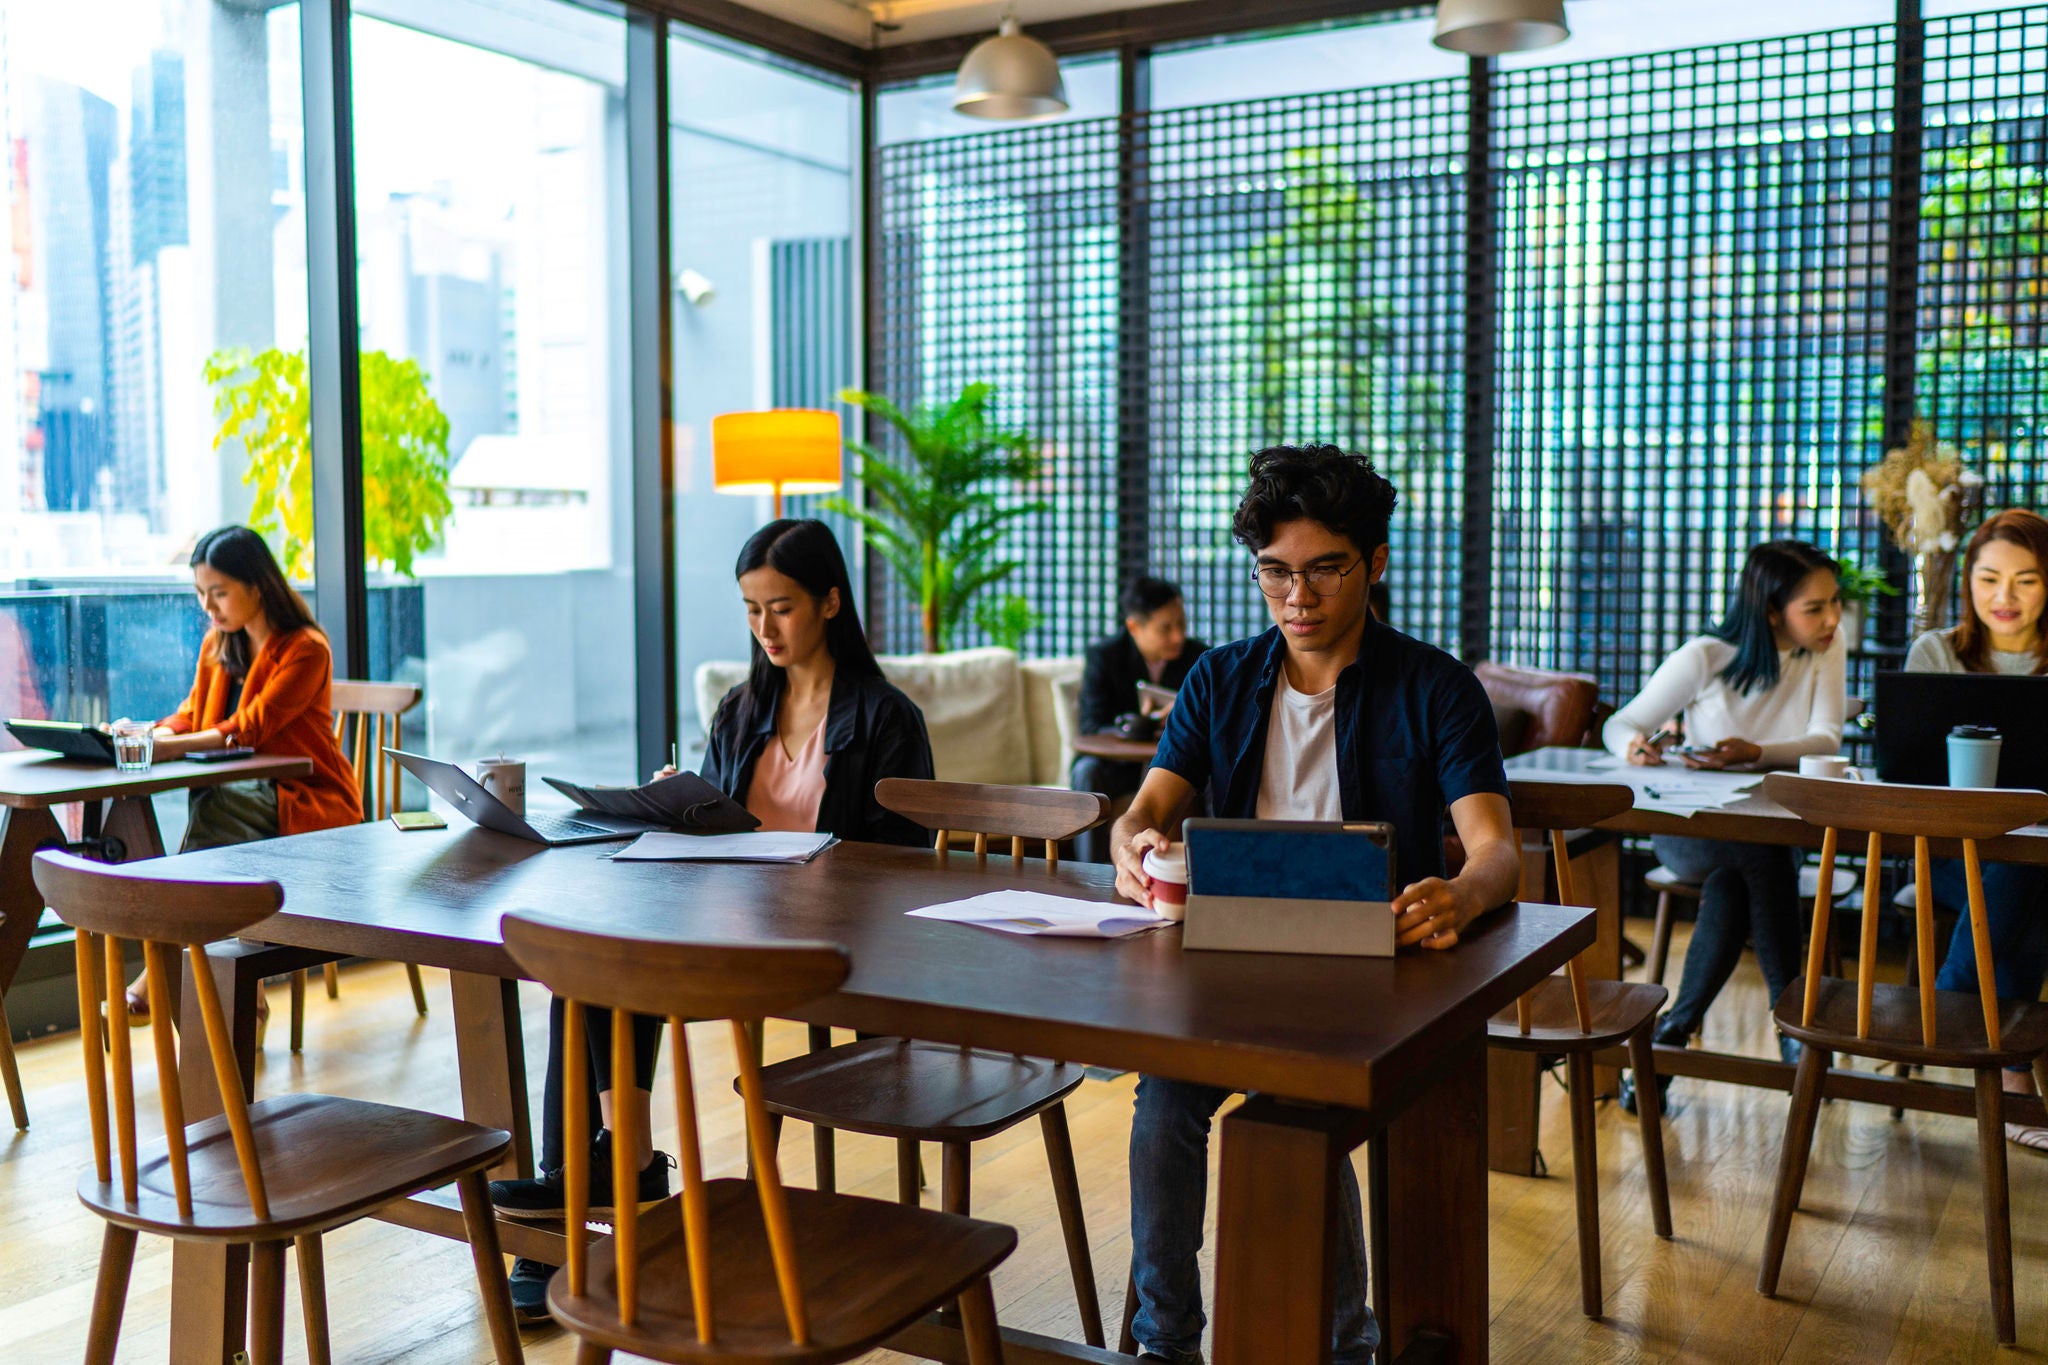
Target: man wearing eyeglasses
{"x":1330,"y":715}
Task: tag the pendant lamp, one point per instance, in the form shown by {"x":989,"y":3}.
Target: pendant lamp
{"x":1488,"y":28}
{"x":1010,"y":76}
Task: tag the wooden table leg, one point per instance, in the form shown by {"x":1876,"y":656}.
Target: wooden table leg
{"x":490,"y":1053}
{"x":23,"y":830}
{"x":1435,"y":1267}
{"x":133,"y":821}
{"x":1513,"y":1111}
{"x":1275,"y":1241}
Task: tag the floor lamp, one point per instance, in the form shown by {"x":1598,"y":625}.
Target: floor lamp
{"x":793,"y":450}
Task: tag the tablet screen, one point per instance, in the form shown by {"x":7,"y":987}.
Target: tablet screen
{"x":1330,"y":863}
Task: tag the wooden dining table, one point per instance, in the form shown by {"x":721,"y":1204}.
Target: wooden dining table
{"x":1336,"y":1051}
{"x":1756,"y":819}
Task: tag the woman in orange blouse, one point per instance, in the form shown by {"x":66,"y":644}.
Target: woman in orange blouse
{"x":264,"y":680}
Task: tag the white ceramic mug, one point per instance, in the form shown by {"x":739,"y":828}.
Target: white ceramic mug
{"x":504,"y":778}
{"x":1825,"y":765}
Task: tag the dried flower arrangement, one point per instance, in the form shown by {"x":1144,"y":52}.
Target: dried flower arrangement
{"x":1923,"y":493}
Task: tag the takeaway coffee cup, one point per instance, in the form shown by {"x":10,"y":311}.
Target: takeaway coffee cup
{"x":504,"y":778}
{"x":1973,"y":756}
{"x":1169,"y":875}
{"x":1824,"y":765}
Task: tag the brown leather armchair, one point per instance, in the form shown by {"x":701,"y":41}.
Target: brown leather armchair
{"x":1535,"y":707}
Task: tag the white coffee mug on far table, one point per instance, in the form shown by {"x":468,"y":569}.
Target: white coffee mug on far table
{"x":504,"y":778}
{"x":1825,"y":765}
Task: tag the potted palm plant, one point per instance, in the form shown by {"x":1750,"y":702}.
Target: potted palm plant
{"x":940,"y":512}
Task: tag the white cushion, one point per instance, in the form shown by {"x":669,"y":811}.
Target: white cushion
{"x":1052,"y":713}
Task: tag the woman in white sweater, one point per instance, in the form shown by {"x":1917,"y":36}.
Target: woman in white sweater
{"x":2005,"y":583}
{"x":1758,"y":691}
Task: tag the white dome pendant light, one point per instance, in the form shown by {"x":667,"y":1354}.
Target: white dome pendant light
{"x":1488,"y":28}
{"x":1010,"y":76}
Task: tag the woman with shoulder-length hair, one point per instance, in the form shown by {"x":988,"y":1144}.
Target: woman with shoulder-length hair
{"x":1759,"y":690}
{"x":801,"y":744}
{"x":2005,"y":583}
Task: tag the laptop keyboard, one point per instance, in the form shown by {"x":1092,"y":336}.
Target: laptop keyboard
{"x":567,"y":827}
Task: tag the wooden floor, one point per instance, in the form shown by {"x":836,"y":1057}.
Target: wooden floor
{"x":1886,"y":1261}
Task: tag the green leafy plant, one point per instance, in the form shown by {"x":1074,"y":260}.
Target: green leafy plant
{"x":939,"y":514}
{"x":1007,"y":620}
{"x":1859,"y":584}
{"x":263,"y":402}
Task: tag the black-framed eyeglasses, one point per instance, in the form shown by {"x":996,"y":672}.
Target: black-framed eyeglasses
{"x":1277,"y":580}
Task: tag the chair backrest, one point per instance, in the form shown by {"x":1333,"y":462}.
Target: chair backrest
{"x":986,"y":809}
{"x":108,"y":905}
{"x":1537,"y":708}
{"x":1916,"y":813}
{"x":368,"y":722}
{"x":1556,"y":808}
{"x":741,"y":983}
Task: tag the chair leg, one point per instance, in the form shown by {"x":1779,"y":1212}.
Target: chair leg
{"x":1126,"y":1341}
{"x":955,"y":1177}
{"x":1650,"y":1119}
{"x":1586,"y":1179}
{"x":908,"y":1167}
{"x":978,"y":1318}
{"x":1066,"y":1193}
{"x":1997,"y":1200}
{"x":110,"y":1295}
{"x":266,"y":1303}
{"x":481,"y":1225}
{"x":313,"y":1298}
{"x":1660,"y":940}
{"x":1799,"y":1123}
{"x":332,"y":972}
{"x":10,"y":1072}
{"x":298,"y":1009}
{"x":590,"y":1353}
{"x":824,"y":1142}
{"x":419,"y":988}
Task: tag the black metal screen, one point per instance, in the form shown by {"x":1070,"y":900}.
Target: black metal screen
{"x":1690,"y":255}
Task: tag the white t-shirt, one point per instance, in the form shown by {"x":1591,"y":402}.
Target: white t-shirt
{"x":1802,"y":714}
{"x":1299,"y":778}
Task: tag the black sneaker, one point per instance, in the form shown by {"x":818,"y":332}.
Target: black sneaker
{"x":1670,"y":1037}
{"x":530,"y":1291}
{"x":546,"y":1198}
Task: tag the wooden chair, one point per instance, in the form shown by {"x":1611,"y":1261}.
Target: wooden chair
{"x":929,"y":1092}
{"x":1671,"y":887}
{"x":1919,"y":1025}
{"x":369,"y":722}
{"x":800,"y":1275}
{"x":1579,"y":1017}
{"x":266,"y":1175}
{"x":10,"y":1071}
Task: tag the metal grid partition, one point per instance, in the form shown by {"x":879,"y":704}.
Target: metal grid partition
{"x":1690,"y":252}
{"x":1305,"y":283}
{"x":1981,"y":376}
{"x":998,"y":264}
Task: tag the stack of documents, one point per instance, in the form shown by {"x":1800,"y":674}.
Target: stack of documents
{"x":1675,"y":789}
{"x":1035,"y":912}
{"x":773,"y":847}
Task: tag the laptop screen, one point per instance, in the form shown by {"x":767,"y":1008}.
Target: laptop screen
{"x":1290,"y":862}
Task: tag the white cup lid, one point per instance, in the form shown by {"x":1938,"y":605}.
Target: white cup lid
{"x":1172,"y":866}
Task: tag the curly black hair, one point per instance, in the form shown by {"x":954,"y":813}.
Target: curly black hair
{"x":1338,"y":488}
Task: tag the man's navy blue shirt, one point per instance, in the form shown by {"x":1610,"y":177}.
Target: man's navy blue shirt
{"x":1415,"y":732}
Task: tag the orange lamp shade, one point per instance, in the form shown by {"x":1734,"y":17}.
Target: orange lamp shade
{"x":785,"y":450}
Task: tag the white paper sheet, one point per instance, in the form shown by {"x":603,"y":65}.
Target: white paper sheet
{"x":1036,"y":912}
{"x":1673,"y":788}
{"x":757,"y":847}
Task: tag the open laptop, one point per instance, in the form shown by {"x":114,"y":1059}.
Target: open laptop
{"x":87,"y":743}
{"x":1915,"y":712}
{"x":1290,"y":886}
{"x":467,"y":795}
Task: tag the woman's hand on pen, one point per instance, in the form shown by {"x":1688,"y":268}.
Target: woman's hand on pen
{"x":1647,"y":751}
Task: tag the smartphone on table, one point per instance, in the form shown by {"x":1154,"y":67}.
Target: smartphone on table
{"x":417,"y":819}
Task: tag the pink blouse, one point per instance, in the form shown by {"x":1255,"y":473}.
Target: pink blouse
{"x":785,"y":792}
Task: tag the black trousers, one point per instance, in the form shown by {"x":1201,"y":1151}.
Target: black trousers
{"x":597,"y":1031}
{"x":1113,"y":779}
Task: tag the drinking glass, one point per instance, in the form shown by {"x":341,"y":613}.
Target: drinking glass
{"x":134,"y":745}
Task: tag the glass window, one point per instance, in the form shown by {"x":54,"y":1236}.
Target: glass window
{"x":154,"y":188}
{"x":761,"y":169}
{"x":1376,"y":52}
{"x":490,"y":187}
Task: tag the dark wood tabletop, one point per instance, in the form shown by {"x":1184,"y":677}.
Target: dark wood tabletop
{"x":34,"y":778}
{"x":1337,"y":1030}
{"x":1117,"y":747}
{"x":1754,"y":819}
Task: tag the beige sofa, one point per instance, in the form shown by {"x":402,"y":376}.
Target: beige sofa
{"x":992,"y":716}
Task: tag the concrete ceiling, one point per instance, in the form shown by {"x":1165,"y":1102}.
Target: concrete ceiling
{"x":886,"y":23}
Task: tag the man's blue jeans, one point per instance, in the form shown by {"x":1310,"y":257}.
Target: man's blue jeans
{"x":1169,"y":1197}
{"x":2015,"y":909}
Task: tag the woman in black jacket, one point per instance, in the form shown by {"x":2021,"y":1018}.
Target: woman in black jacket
{"x":801,"y":743}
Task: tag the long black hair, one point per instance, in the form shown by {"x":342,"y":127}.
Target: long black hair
{"x":242,"y":555}
{"x":808,"y":552}
{"x":1771,"y":574}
